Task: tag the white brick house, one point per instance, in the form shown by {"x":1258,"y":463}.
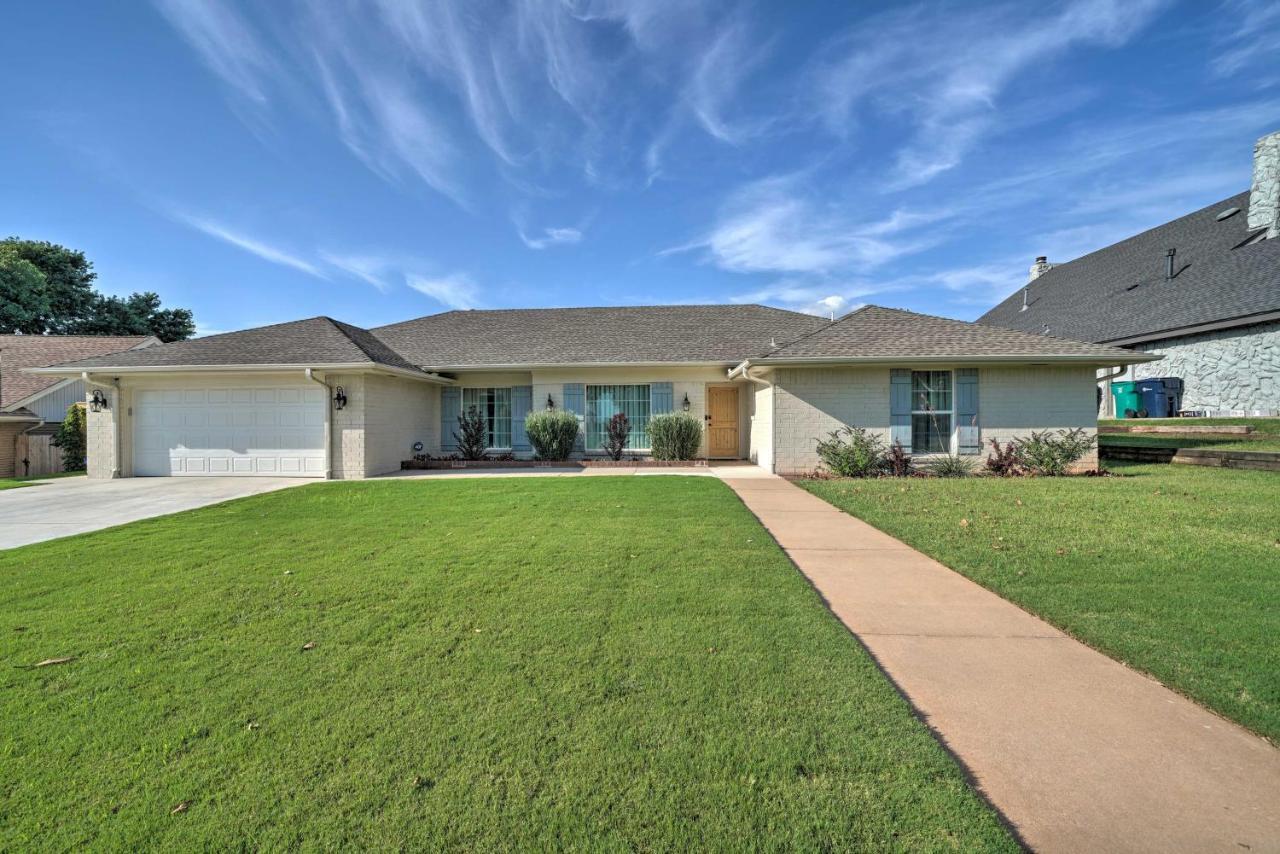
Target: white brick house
{"x":320,"y":398}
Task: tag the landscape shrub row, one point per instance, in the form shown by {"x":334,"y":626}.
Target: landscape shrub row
{"x":858,"y":452}
{"x":553,"y":434}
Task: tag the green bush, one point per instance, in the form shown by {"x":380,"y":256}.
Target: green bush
{"x":674,"y":436}
{"x":852,"y":452}
{"x":552,"y":434}
{"x":70,"y":438}
{"x":952,"y":466}
{"x":474,"y":439}
{"x":1052,"y":452}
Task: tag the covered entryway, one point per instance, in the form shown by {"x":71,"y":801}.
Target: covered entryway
{"x":216,"y":430}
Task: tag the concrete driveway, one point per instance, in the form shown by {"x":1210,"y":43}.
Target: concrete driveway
{"x":75,"y":505}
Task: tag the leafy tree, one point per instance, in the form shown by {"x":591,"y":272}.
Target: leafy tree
{"x":65,"y":302}
{"x":68,"y":277}
{"x":24,"y":302}
{"x":71,"y":438}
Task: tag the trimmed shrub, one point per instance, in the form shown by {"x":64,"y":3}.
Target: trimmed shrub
{"x":474,"y":440}
{"x":952,"y":466}
{"x":897,"y":462}
{"x":552,"y":433}
{"x":674,"y":436}
{"x":618,"y":433}
{"x":70,"y":438}
{"x":852,"y":452}
{"x":1003,"y":462}
{"x":1051,"y":452}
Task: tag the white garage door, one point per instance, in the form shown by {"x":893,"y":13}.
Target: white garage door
{"x":229,"y":431}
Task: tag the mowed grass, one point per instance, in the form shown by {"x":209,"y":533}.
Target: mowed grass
{"x":500,"y":664}
{"x":1265,"y":442}
{"x":14,"y":482}
{"x":1172,"y":569}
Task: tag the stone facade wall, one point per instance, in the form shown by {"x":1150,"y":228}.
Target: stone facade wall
{"x":1012,"y":402}
{"x":1227,"y":369}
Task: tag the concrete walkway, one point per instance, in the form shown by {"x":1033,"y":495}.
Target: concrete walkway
{"x":61,"y":507}
{"x":1077,"y":751}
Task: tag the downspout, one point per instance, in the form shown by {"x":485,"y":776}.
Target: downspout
{"x":1108,"y":402}
{"x":328,"y":426}
{"x":115,"y":418}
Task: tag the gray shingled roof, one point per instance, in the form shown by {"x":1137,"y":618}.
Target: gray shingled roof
{"x":1120,"y":292}
{"x":875,"y":332}
{"x":315,"y":341}
{"x":542,"y":336}
{"x":18,"y":352}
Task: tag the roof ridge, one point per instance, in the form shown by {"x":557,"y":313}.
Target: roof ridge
{"x":830,"y":325}
{"x":512,"y":310}
{"x":343,"y":327}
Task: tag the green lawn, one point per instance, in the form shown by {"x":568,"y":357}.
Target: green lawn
{"x":604,"y":663}
{"x":1172,"y":569}
{"x":1260,"y":425}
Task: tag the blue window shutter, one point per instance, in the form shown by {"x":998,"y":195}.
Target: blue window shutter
{"x":450,"y":408}
{"x":521,"y":403}
{"x":661,"y":398}
{"x":575,"y":401}
{"x":969,"y":435}
{"x":900,"y":407}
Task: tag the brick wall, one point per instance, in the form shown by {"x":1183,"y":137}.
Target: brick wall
{"x":399,"y":412}
{"x":100,"y":432}
{"x":1012,"y":402}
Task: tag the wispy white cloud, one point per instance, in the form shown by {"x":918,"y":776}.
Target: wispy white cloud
{"x":551,"y":237}
{"x":456,"y":290}
{"x":772,"y":226}
{"x":252,"y":245}
{"x":226,"y":43}
{"x":946,"y":73}
{"x":372,"y":269}
{"x":1253,"y":39}
{"x":821,"y":297}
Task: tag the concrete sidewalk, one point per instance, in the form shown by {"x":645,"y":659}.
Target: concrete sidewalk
{"x":1078,"y":752}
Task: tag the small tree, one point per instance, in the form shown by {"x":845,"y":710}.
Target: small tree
{"x":474,"y":440}
{"x":70,"y":438}
{"x":617,"y":435}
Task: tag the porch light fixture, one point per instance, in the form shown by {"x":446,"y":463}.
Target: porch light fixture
{"x":98,"y":401}
{"x":686,"y":402}
{"x":339,"y":398}
{"x":551,"y":404}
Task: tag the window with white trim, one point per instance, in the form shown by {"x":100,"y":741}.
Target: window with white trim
{"x":604,"y":401}
{"x":495,"y":405}
{"x":932,"y":412}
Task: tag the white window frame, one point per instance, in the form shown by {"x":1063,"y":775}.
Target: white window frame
{"x":952,"y":438}
{"x":586,"y":407}
{"x":462,"y":407}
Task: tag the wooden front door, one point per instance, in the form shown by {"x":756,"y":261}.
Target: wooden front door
{"x":722,"y":421}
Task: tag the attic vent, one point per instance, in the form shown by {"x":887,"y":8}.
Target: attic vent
{"x":1227,"y":214}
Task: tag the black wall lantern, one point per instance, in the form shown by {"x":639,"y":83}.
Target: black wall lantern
{"x":339,"y":398}
{"x":98,"y":401}
{"x":686,"y":402}
{"x":551,"y":404}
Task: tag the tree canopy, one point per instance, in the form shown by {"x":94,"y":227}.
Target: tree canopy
{"x":47,"y":288}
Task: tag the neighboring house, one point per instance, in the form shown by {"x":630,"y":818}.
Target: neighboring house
{"x":318,"y":397}
{"x":35,"y":403}
{"x":1202,"y":291}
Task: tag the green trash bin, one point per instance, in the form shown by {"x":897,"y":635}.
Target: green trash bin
{"x":1128,"y":399}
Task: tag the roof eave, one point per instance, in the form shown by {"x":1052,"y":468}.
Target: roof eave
{"x":1127,"y":358}
{"x":526,"y":366}
{"x":124,"y":370}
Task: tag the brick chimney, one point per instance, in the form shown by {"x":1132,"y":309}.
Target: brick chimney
{"x":1040,"y":267}
{"x":1264,"y":195}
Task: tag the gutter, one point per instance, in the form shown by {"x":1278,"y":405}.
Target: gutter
{"x":328,"y":424}
{"x":1017,"y":358}
{"x":357,"y":367}
{"x":115,"y":418}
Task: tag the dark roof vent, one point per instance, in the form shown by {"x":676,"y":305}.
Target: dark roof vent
{"x":1227,"y":214}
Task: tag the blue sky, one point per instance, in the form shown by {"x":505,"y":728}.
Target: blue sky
{"x":382,"y":160}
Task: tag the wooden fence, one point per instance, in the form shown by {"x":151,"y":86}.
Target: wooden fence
{"x":39,"y":454}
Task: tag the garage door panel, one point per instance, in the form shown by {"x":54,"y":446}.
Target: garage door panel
{"x":230,"y":431}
